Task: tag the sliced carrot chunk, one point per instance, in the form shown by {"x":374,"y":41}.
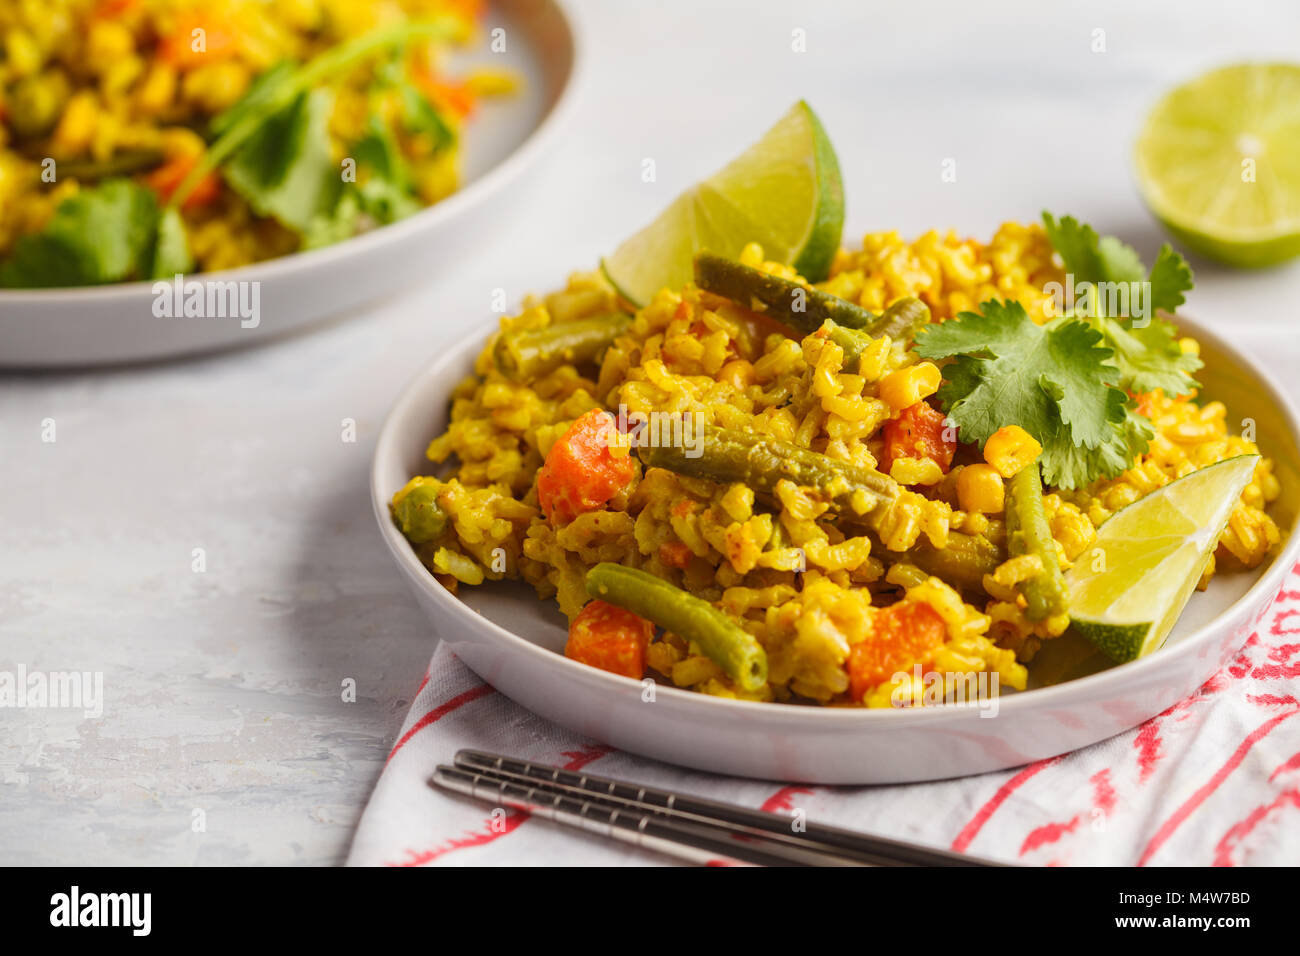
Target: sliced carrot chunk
{"x":610,"y":638}
{"x":582,"y":471}
{"x":918,"y":432}
{"x":675,"y":554}
{"x":901,"y":635}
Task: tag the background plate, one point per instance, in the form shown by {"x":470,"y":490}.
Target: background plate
{"x":110,"y":324}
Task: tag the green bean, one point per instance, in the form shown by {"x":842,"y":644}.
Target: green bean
{"x":963,"y":561}
{"x":902,"y":320}
{"x":853,"y":341}
{"x":528,"y":354}
{"x":799,"y":306}
{"x":806,"y":309}
{"x":124,"y":163}
{"x":1029,"y":533}
{"x":720,"y":638}
{"x":417,"y":512}
{"x":760,"y":462}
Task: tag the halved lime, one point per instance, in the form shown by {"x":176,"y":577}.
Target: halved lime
{"x":1218,"y":162}
{"x":1129,"y":589}
{"x":783,"y":192}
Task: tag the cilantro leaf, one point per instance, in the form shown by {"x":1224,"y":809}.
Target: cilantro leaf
{"x":113,"y":232}
{"x":383,"y":193}
{"x":1056,"y":381}
{"x":169,"y":253}
{"x":285,"y":170}
{"x":1147,"y":355}
{"x":1011,"y":370}
{"x":1089,"y":257}
{"x":422,"y":117}
{"x":387,"y":189}
{"x":1093,"y":258}
{"x":341,"y":221}
{"x":1073,"y":466}
{"x":418,"y":115}
{"x":261,"y":94}
{"x":1170,"y":277}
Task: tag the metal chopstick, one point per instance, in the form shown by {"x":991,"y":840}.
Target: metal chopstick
{"x":684,"y":841}
{"x":881,"y":850}
{"x":741,"y":826}
{"x":783,"y":832}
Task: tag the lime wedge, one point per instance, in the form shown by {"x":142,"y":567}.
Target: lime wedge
{"x":1218,"y":162}
{"x":1128,"y":590}
{"x":783,"y":192}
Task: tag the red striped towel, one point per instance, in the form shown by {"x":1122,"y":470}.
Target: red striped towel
{"x":1215,"y":779}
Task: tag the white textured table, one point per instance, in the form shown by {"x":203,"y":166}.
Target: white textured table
{"x":223,"y":688}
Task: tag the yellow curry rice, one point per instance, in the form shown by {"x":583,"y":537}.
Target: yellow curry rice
{"x":807,"y":591}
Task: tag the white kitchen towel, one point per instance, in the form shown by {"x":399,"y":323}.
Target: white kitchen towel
{"x":1215,"y":779}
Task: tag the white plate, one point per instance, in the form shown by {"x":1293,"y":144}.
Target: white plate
{"x":107,"y":324}
{"x":515,"y":641}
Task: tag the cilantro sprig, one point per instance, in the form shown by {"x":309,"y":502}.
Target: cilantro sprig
{"x":113,"y":232}
{"x":1146,"y":347}
{"x":1070,"y":382}
{"x":1056,"y":381}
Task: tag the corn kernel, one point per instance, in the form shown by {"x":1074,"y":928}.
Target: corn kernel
{"x":908,"y":386}
{"x":107,"y":42}
{"x":158,"y":89}
{"x":916,"y":471}
{"x":216,"y":86}
{"x":77,"y":127}
{"x":1011,"y":448}
{"x":21,"y":51}
{"x":980,"y":490}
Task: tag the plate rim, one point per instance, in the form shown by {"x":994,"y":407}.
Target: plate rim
{"x":808,"y":717}
{"x":551,"y":122}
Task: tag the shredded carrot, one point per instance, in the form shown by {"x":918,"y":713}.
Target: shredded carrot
{"x":166,"y":178}
{"x":199,"y":37}
{"x":453,"y":96}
